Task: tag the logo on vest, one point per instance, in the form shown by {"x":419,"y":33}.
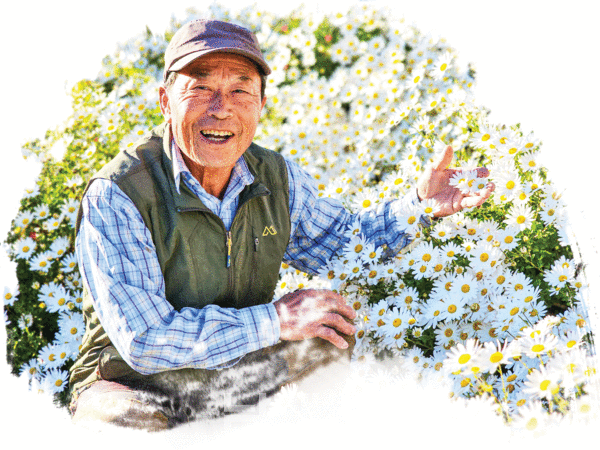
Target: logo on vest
{"x":270,"y":231}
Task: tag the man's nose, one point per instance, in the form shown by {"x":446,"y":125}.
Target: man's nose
{"x":219,"y":106}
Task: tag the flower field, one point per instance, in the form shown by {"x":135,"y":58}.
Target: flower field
{"x":489,"y":302}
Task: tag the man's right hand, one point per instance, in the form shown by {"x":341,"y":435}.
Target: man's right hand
{"x":309,"y":313}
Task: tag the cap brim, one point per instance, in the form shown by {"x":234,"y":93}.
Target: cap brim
{"x":187,"y":59}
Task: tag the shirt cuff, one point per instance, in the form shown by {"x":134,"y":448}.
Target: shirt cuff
{"x":262,"y":325}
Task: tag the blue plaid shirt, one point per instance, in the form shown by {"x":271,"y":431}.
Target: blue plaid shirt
{"x":120,"y":269}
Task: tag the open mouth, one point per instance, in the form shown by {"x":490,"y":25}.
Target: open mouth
{"x":216,"y":136}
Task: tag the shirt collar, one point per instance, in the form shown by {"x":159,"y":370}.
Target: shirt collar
{"x":240,"y":170}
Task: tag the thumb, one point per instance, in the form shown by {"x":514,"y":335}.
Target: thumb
{"x":444,"y":160}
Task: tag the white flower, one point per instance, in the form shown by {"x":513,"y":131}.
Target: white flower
{"x":69,"y":262}
{"x":89,"y":152}
{"x":73,"y":181}
{"x":23,"y":219}
{"x":54,"y":381}
{"x":59,"y":246}
{"x":463,"y":357}
{"x":542,"y":383}
{"x":52,"y":223}
{"x":40,"y":262}
{"x":10,"y":295}
{"x":520,"y":216}
{"x":31,"y":192}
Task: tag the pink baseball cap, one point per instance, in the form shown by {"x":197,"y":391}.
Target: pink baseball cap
{"x":200,"y":37}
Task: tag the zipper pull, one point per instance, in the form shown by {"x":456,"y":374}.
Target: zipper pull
{"x":255,"y":244}
{"x":228,"y":248}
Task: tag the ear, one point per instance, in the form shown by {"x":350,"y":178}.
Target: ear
{"x":163,"y":98}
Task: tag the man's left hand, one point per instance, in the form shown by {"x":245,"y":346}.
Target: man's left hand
{"x":435,"y":185}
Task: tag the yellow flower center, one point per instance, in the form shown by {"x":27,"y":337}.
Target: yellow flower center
{"x":397,"y":322}
{"x":537,"y":348}
{"x":465,"y":288}
{"x":496,"y":357}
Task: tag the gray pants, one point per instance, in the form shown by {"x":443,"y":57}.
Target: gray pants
{"x":167,"y":399}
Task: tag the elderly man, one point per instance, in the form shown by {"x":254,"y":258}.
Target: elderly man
{"x":178,"y":270}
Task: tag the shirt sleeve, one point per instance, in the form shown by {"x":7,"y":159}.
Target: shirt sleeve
{"x":121,"y":271}
{"x":319,"y":224}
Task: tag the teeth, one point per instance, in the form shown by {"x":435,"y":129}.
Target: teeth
{"x":217,"y":133}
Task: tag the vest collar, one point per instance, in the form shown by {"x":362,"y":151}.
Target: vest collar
{"x":185,"y":199}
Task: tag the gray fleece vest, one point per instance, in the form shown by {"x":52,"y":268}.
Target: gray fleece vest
{"x":201,"y":262}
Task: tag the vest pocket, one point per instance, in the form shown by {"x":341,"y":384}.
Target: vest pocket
{"x":253,"y":280}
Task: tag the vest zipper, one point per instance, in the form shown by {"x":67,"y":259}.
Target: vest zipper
{"x":228,"y":237}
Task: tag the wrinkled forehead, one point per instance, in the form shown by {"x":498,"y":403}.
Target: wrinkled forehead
{"x":217,"y":63}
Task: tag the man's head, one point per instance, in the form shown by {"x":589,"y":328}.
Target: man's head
{"x":213,"y":104}
{"x":202,"y":37}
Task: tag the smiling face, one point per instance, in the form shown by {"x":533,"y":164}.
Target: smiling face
{"x":213,"y":108}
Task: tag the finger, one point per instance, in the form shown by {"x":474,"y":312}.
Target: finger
{"x":444,"y":160}
{"x":475,"y":200}
{"x":483,"y":172}
{"x":330,"y":335}
{"x":334,"y":302}
{"x":346,"y":311}
{"x":340,"y":324}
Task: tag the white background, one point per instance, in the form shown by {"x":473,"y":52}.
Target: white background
{"x":536,"y":61}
